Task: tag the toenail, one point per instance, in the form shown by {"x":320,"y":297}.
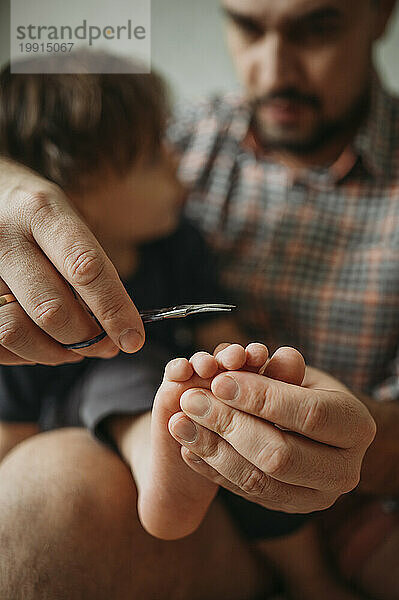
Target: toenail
{"x":226,"y":388}
{"x":185,"y":430}
{"x":196,"y":404}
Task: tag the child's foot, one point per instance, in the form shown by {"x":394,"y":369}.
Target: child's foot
{"x":174,"y":499}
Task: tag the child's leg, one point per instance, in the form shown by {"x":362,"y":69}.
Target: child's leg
{"x":12,"y":434}
{"x":174,"y":499}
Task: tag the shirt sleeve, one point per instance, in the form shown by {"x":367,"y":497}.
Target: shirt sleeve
{"x":181,"y":126}
{"x":124,"y":385}
{"x":19,"y":394}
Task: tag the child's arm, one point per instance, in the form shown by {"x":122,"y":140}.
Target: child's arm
{"x":12,"y":434}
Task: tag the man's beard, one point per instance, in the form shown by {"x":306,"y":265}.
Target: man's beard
{"x":323,"y":133}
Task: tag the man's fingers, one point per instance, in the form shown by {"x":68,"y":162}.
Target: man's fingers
{"x":222,"y":463}
{"x":77,"y":255}
{"x":285,"y":456}
{"x":332,"y":417}
{"x":20,"y":336}
{"x":298,"y":500}
{"x":48,"y":301}
{"x":48,"y":220}
{"x":21,"y":341}
{"x":9,"y":358}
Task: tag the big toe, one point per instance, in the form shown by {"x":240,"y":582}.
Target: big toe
{"x":286,"y":364}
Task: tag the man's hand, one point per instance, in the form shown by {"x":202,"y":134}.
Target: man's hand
{"x":286,"y":447}
{"x":43,"y":245}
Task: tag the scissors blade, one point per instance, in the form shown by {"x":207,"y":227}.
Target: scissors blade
{"x":183,"y":310}
{"x":204,"y":308}
{"x":150,"y":316}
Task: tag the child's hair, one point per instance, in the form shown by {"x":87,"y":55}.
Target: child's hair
{"x":67,"y":126}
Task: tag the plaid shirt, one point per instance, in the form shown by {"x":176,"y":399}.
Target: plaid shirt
{"x":311,"y":257}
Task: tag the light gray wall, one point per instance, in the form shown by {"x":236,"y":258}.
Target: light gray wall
{"x":188,"y":46}
{"x":387,"y":55}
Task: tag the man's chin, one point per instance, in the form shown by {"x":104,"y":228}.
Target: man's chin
{"x":291,"y":140}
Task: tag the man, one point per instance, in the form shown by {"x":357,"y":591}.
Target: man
{"x":295,"y":189}
{"x":296,"y":119}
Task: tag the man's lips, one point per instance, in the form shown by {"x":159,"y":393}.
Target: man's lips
{"x":283,"y":111}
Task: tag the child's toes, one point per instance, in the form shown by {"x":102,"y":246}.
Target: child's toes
{"x":286,"y":364}
{"x":204,"y":364}
{"x":233,"y":357}
{"x":178,"y":369}
{"x":221,"y":347}
{"x":257,"y":355}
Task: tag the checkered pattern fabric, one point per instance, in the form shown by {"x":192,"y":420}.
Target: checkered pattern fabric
{"x":311,"y":257}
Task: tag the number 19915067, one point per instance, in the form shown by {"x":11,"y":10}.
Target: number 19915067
{"x":46,"y":47}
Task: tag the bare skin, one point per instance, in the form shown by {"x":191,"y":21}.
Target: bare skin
{"x":338,"y":81}
{"x":47,"y":312}
{"x":173,"y":499}
{"x":306,"y":65}
{"x":85,"y":519}
{"x":74,"y":240}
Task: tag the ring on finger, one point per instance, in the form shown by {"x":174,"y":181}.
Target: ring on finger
{"x":7,"y":299}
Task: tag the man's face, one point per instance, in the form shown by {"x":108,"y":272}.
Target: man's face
{"x":305,"y":64}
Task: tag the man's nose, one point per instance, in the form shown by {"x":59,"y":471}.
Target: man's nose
{"x":276,"y":64}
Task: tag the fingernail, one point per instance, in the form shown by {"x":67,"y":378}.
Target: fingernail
{"x":185,"y":430}
{"x":226,"y":388}
{"x":196,"y":404}
{"x":191,"y":456}
{"x":130,"y":340}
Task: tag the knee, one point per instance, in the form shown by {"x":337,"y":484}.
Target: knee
{"x":63,"y":473}
{"x":63,"y":499}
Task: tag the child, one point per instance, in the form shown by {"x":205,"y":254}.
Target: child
{"x":99,"y":137}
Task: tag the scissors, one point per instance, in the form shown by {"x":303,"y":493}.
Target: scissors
{"x":160,"y":314}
